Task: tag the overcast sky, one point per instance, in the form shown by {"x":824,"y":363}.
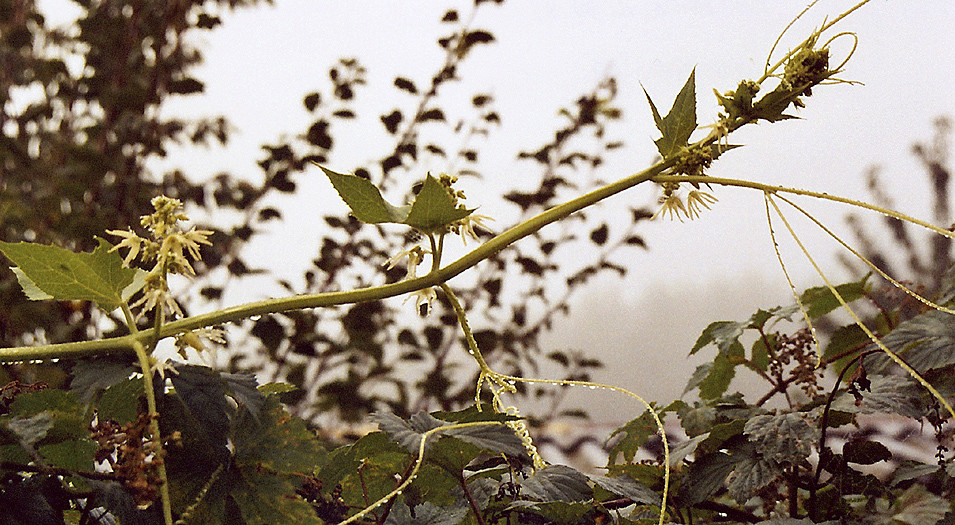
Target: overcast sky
{"x":261,"y":62}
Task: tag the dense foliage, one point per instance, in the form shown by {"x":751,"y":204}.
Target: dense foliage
{"x":115,"y":434}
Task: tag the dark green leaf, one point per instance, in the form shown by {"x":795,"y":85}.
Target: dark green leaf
{"x":679,"y":123}
{"x":918,"y":506}
{"x":426,"y":513}
{"x":50,"y":272}
{"x":865,"y":452}
{"x":203,"y":392}
{"x":720,"y":375}
{"x":120,"y":402}
{"x":557,"y":483}
{"x":887,"y":395}
{"x":628,"y":488}
{"x":820,"y":300}
{"x":751,"y":473}
{"x":705,"y":478}
{"x":74,"y":454}
{"x":92,"y":376}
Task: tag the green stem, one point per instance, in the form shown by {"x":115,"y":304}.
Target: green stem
{"x":270,"y":306}
{"x":144,"y":364}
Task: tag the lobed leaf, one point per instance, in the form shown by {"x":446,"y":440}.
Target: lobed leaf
{"x":677,"y":126}
{"x":51,"y":272}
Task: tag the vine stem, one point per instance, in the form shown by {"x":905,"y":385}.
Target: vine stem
{"x":123,"y":344}
{"x":144,"y":364}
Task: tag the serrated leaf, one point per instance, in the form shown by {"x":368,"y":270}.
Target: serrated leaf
{"x":820,"y":300}
{"x":92,"y":376}
{"x":721,"y":333}
{"x":365,"y":199}
{"x":278,"y":442}
{"x":557,"y":483}
{"x":263,"y":498}
{"x":784,"y":438}
{"x":677,"y":126}
{"x":635,"y":433}
{"x":53,"y":272}
{"x":721,"y":374}
{"x":752,"y":472}
{"x":244,"y":389}
{"x":498,"y":439}
{"x":70,"y":421}
{"x":203,"y":392}
{"x":434,"y":207}
{"x":705,"y":477}
{"x":272,"y":389}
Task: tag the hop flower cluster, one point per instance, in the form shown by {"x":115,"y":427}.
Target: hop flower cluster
{"x":168,"y":249}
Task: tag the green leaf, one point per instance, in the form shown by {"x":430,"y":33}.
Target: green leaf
{"x":426,"y":513}
{"x":265,"y":499}
{"x":628,"y":488}
{"x":434,"y":207}
{"x":820,"y":300}
{"x":498,"y":439}
{"x":751,"y":473}
{"x":72,"y":454}
{"x":365,"y":199}
{"x":120,"y":402}
{"x":720,"y":375}
{"x":50,"y":272}
{"x":705,"y":477}
{"x":636,"y":432}
{"x":887,"y":395}
{"x":679,"y":123}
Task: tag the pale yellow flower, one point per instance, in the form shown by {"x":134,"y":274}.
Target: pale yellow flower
{"x":696,"y":201}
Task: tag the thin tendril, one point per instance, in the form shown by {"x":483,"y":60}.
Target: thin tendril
{"x":767,"y":197}
{"x":869,"y":263}
{"x":905,"y":366}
